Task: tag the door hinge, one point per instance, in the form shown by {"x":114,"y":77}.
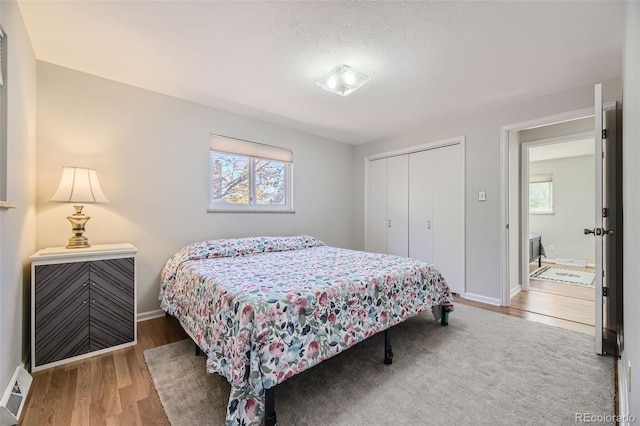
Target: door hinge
{"x":604,"y":212}
{"x":605,"y":291}
{"x":604,"y":133}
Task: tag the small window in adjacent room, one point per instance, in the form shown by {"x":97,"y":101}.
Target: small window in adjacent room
{"x":541,"y":194}
{"x":248,"y":176}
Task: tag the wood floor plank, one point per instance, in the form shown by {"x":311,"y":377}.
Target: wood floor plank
{"x":151,"y":411}
{"x":130,"y":415}
{"x":530,"y":316}
{"x":55,"y":397}
{"x":35,"y":400}
{"x":122,"y":369}
{"x":111,"y":400}
{"x":64,"y":410}
{"x":82,"y":400}
{"x":139,"y":385}
{"x":97,"y":412}
{"x":567,"y":290}
{"x":567,"y":308}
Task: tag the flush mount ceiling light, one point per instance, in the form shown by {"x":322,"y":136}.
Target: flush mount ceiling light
{"x":343,"y":80}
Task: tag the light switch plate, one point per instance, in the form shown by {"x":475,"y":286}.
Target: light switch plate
{"x":482,"y":195}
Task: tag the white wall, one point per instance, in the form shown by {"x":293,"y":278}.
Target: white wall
{"x":567,"y":128}
{"x":515,"y":248}
{"x":482,"y":173}
{"x":631,"y":207}
{"x":151,"y":152}
{"x":17,"y":226}
{"x":573,"y":207}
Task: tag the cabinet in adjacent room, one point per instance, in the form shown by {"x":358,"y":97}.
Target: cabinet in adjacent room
{"x":416,"y":208}
{"x":83,"y":302}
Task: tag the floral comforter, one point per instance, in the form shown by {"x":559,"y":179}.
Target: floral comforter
{"x":264,"y":309}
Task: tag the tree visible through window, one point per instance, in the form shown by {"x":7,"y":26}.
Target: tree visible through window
{"x":246,"y":182}
{"x":540,"y":194}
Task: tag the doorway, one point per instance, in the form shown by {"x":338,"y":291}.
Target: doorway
{"x":557,"y":262}
{"x":607,"y":216}
{"x":513,"y":255}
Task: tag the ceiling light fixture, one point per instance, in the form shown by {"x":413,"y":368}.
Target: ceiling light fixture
{"x":343,"y":80}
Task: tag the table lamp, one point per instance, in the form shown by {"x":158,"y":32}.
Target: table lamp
{"x":78,"y":186}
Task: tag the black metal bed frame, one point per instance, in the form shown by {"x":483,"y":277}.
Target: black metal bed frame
{"x":270,"y":418}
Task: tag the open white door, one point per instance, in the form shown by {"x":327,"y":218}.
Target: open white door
{"x":597,"y":231}
{"x":608,"y":226}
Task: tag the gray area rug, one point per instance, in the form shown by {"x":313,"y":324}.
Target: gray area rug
{"x":483,"y":369}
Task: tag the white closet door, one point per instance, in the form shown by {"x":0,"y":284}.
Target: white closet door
{"x":420,"y":206}
{"x":447,"y":174}
{"x":398,"y":205}
{"x":377,"y":229}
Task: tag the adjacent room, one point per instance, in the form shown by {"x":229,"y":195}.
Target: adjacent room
{"x":319,"y":213}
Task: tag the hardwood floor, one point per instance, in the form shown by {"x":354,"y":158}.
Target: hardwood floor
{"x":110,"y":389}
{"x":560,"y":305}
{"x":116,"y":388}
{"x":569,"y":302}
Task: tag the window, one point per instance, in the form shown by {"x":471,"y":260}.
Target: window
{"x":248,"y":176}
{"x":541,"y":194}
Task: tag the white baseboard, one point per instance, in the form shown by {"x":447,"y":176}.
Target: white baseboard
{"x":482,"y":299}
{"x":623,"y":392}
{"x":516,"y":290}
{"x":571,"y":262}
{"x":553,"y":261}
{"x":144,"y":316}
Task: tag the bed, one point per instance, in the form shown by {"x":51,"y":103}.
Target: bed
{"x":266,"y":308}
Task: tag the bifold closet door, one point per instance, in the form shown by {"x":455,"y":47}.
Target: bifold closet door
{"x":436,"y":211}
{"x":448,"y":215}
{"x":421,"y":206}
{"x":378,"y":219}
{"x":398,"y":205}
{"x":388,"y":206}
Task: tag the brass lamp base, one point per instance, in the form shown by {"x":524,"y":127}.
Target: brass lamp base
{"x":78,"y":220}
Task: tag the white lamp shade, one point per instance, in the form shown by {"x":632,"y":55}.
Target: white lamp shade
{"x":78,"y":185}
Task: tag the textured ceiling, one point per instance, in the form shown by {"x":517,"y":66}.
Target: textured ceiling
{"x":262,"y":59}
{"x":554,"y":151}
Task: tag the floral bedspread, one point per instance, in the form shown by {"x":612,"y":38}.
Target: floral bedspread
{"x":264,"y":309}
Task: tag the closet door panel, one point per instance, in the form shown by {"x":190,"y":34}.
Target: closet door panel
{"x":448,"y":214}
{"x":420,"y":206}
{"x":398,"y":205}
{"x":377,"y":228}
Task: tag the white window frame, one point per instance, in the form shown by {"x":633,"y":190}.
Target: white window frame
{"x":237,"y":147}
{"x":542,"y":178}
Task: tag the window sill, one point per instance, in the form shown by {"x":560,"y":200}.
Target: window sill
{"x":249,"y":211}
{"x":542,"y":213}
{"x":5,"y":205}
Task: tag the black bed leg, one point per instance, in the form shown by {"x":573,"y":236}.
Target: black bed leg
{"x":388,"y":352}
{"x":270,"y":407}
{"x":198,"y":350}
{"x":444,"y":319}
